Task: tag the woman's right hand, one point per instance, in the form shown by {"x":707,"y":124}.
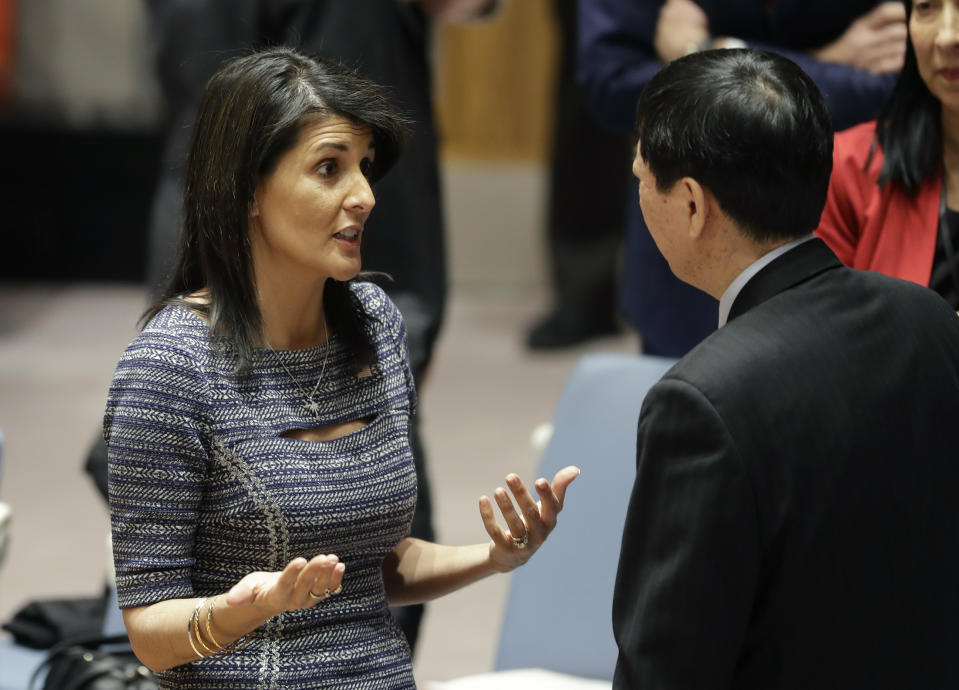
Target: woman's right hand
{"x":300,"y":585}
{"x":681,"y":28}
{"x":874,"y":42}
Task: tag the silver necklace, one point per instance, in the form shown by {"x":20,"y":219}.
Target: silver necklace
{"x":310,"y":405}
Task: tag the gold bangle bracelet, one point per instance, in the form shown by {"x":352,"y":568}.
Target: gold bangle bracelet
{"x":189,"y":631}
{"x":237,"y":644}
{"x":209,"y":623}
{"x":196,"y":628}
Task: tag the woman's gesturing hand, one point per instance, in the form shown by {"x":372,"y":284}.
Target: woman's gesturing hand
{"x":529,"y":522}
{"x":300,"y":585}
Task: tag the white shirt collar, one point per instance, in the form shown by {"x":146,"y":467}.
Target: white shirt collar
{"x":735,"y":287}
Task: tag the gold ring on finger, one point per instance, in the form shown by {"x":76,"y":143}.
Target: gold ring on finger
{"x":521,"y":542}
{"x":319,"y":597}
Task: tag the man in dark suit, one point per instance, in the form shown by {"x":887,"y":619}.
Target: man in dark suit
{"x":852,"y":49}
{"x":793,"y":520}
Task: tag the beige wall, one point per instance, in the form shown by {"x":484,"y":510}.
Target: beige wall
{"x":494,"y":89}
{"x":86,"y":62}
{"x":495,"y":83}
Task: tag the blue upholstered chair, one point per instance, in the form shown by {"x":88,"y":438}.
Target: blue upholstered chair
{"x":558,"y":611}
{"x":4,"y":512}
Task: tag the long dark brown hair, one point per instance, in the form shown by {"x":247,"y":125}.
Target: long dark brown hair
{"x":251,"y":113}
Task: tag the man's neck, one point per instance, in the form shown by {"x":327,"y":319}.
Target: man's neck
{"x":738,"y":254}
{"x":733,"y":288}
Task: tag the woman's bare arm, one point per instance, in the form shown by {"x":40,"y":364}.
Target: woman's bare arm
{"x":418,"y":570}
{"x":161,"y":638}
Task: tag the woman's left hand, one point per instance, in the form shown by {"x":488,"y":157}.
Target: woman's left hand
{"x":529,"y":521}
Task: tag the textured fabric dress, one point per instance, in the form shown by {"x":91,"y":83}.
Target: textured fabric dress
{"x":205,"y":488}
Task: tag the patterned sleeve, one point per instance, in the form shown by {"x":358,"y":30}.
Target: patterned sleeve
{"x":403,"y":352}
{"x":389,"y":334}
{"x":157,"y":463}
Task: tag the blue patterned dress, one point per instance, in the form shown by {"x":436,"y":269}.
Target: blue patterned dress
{"x":204,"y":489}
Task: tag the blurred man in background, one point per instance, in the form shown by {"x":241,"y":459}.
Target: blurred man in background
{"x":851,"y":48}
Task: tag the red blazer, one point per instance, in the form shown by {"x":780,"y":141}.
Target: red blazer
{"x":878,"y":228}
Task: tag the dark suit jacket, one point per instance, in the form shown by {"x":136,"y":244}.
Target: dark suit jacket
{"x":793,"y":523}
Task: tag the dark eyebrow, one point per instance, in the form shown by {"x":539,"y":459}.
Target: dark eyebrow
{"x":331,"y":145}
{"x":338,"y":146}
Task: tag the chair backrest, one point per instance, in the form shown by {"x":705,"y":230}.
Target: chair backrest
{"x":558,"y":614}
{"x":113,"y":618}
{"x":5,"y":513}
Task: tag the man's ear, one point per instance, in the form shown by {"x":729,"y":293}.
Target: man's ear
{"x":698,"y":206}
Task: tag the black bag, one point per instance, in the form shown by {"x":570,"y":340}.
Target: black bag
{"x":80,"y":664}
{"x":44,"y":623}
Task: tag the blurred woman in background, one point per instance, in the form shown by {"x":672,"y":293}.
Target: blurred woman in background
{"x":893,"y":203}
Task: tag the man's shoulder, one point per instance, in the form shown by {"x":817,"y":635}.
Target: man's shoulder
{"x":770,"y":333}
{"x":803,"y":311}
{"x":734,"y":353}
{"x":816,"y":318}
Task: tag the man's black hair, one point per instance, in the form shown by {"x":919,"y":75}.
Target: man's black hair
{"x":751,"y":127}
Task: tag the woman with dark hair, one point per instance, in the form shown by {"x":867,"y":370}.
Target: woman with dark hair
{"x":261,"y":480}
{"x":893,"y":203}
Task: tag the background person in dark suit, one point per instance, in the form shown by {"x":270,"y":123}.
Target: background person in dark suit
{"x":793,"y":520}
{"x":852,"y":49}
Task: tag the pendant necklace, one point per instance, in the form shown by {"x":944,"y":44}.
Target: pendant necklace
{"x":310,"y":405}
